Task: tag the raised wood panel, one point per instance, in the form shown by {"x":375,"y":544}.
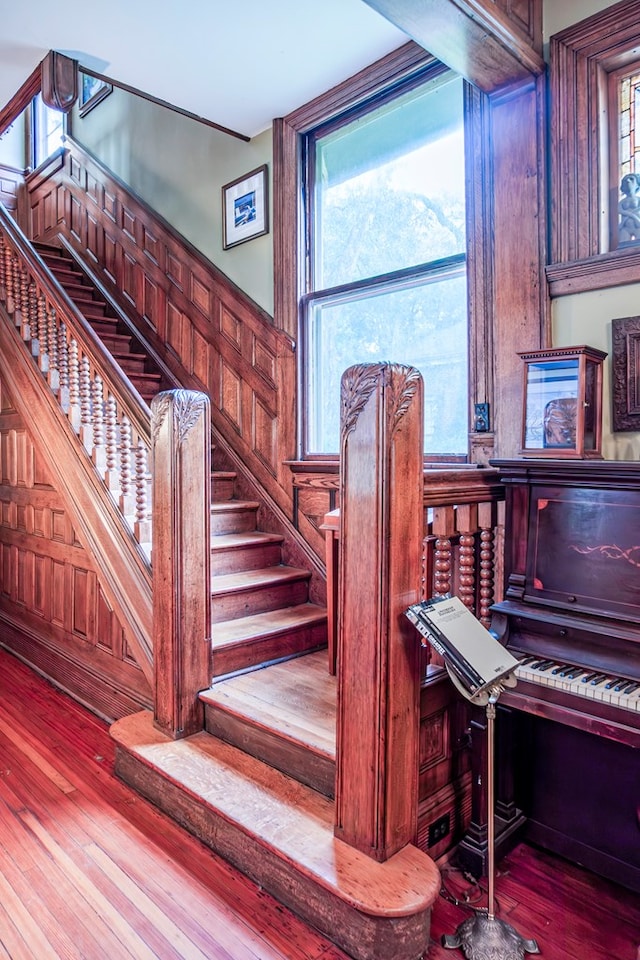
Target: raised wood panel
{"x":200,"y":360}
{"x":131,"y":280}
{"x":265,"y":435}
{"x":175,"y":330}
{"x":93,"y":189}
{"x":76,"y":220}
{"x":128,"y":222}
{"x":150,"y":244}
{"x":264,"y":360}
{"x":176,"y":270}
{"x":201,"y":296}
{"x":109,"y":205}
{"x":110,"y":264}
{"x":94,"y":236}
{"x":230,"y":400}
{"x":150,"y":300}
{"x":53,"y":611}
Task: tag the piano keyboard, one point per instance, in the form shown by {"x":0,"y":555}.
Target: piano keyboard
{"x":617,"y":691}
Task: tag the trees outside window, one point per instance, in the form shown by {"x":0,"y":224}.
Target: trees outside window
{"x":385,"y":275}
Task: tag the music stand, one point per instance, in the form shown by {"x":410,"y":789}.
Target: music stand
{"x":480,"y":669}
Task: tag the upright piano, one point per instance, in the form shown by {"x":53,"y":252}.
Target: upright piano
{"x":571,"y":616}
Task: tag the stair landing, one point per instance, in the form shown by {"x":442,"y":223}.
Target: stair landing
{"x":280,"y":833}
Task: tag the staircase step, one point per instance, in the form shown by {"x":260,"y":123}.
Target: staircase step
{"x":284,"y":715}
{"x":222,"y":485}
{"x":247,"y":642}
{"x":233,"y":552}
{"x":281,"y":834}
{"x":233,"y":516}
{"x":236,"y":595}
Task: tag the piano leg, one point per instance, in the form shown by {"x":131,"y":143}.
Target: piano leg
{"x":473,"y":848}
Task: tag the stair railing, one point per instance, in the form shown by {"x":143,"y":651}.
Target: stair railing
{"x":92,"y":428}
{"x":105,"y":411}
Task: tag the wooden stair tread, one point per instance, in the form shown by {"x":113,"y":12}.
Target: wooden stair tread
{"x":266,"y":624}
{"x":284,"y":818}
{"x":229,"y":506}
{"x":295,"y":699}
{"x":228,"y":583}
{"x":229,"y":541}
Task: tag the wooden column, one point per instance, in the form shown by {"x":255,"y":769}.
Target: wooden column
{"x":379,"y":576}
{"x":181,"y":436}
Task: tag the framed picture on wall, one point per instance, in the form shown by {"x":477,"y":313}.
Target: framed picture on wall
{"x":245,"y":208}
{"x":92,"y":91}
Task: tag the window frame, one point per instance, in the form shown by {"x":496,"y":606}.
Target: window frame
{"x":581,"y":59}
{"x":413,"y":275}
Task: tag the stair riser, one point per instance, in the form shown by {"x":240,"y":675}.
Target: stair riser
{"x":233,"y":521}
{"x":131,"y":365}
{"x":255,"y":599}
{"x":258,"y":650}
{"x":244,"y":558}
{"x":222,"y":490}
{"x":296,"y":760}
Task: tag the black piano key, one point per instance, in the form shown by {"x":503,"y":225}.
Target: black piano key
{"x":589,"y":677}
{"x":574,"y":674}
{"x":632,"y":687}
{"x":597,"y":680}
{"x":560,"y":668}
{"x":612,"y":682}
{"x":526,"y":661}
{"x":544,"y":665}
{"x":620,"y":685}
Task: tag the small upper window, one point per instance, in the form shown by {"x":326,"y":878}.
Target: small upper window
{"x":48,"y":131}
{"x":625,"y":159}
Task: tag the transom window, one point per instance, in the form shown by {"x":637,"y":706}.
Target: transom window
{"x":386,"y":265}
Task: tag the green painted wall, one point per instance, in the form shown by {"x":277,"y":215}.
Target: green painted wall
{"x":178,"y":166}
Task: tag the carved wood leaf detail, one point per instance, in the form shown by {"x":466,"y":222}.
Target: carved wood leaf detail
{"x":187,"y":409}
{"x":359,"y":382}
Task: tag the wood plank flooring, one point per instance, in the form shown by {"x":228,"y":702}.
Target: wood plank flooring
{"x":89,"y":870}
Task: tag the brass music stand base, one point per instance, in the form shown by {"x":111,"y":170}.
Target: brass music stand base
{"x":483,"y":937}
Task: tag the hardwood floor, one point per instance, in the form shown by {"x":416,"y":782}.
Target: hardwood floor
{"x":89,"y":870}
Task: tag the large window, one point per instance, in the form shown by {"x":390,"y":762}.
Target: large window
{"x":48,"y":130}
{"x":386,"y":271}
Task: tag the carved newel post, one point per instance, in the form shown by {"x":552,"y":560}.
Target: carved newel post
{"x":381,"y":505}
{"x":181,"y":436}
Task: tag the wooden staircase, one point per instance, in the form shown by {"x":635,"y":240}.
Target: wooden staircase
{"x":260,"y":606}
{"x":257,"y":782}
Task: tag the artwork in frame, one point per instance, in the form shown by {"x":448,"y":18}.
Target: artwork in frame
{"x":625,"y":374}
{"x":245,"y":208}
{"x":92,"y":91}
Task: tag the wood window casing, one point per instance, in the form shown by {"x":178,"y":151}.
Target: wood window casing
{"x":581,"y":59}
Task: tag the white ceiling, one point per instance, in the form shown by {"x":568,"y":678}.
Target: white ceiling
{"x":238,"y":63}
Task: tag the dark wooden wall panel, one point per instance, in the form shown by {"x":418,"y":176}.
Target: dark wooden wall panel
{"x":53,"y":612}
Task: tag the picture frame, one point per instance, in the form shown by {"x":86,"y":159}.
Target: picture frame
{"x":92,"y":91}
{"x":245,"y":208}
{"x":625,"y":374}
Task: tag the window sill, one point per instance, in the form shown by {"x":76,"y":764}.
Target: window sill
{"x":594,"y":273}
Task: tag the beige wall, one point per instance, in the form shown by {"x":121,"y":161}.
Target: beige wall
{"x":178,"y":166}
{"x":558,"y":14}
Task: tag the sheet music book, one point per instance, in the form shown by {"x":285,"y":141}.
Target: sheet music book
{"x":475,"y":656}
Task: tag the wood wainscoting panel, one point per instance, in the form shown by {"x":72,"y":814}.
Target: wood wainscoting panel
{"x":53,"y":611}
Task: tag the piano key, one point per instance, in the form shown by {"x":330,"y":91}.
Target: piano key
{"x":598,"y":679}
{"x":580,"y":682}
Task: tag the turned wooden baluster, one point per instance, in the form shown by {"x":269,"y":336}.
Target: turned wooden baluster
{"x":3,"y":269}
{"x":142,"y":525}
{"x":443,"y":529}
{"x":99,"y":451}
{"x":112,"y":475}
{"x":63,"y":367}
{"x":127,"y":499}
{"x":39,"y":343}
{"x":486,"y":522}
{"x":8,"y":260}
{"x":22,"y":314}
{"x":75,"y":417}
{"x":30,"y":317}
{"x":467,"y":522}
{"x":17,"y":277}
{"x":86,"y":422}
{"x":53,"y":374}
